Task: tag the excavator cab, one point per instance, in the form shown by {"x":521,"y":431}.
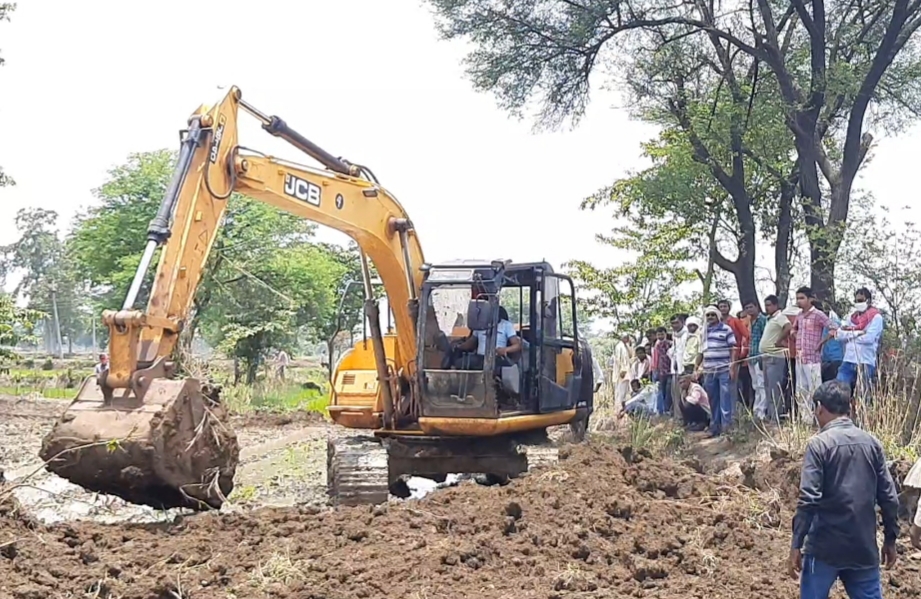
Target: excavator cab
{"x":460,"y":301}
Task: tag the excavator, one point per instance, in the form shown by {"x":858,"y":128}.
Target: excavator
{"x":439,"y":393}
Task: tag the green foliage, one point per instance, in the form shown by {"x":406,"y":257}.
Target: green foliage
{"x":16,"y":325}
{"x":108,"y":238}
{"x":267,"y":284}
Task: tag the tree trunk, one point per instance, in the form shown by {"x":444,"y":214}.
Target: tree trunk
{"x":784,"y":244}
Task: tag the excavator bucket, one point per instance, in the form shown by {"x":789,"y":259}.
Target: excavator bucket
{"x":172,"y":448}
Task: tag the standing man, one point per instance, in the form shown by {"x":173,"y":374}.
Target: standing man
{"x":676,"y":351}
{"x":738,"y":330}
{"x":282,"y":362}
{"x":718,"y":360}
{"x":102,"y":365}
{"x":844,"y":478}
{"x":621,"y":371}
{"x":860,"y":336}
{"x":772,"y":351}
{"x":663,"y":370}
{"x":692,"y":345}
{"x":758,"y":321}
{"x":808,"y":332}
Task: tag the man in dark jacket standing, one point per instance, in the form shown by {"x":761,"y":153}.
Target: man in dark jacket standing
{"x":844,"y":477}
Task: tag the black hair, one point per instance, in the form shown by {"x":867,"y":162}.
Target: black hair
{"x":682,"y":316}
{"x":637,"y":381}
{"x":722,"y":302}
{"x":650,"y":332}
{"x":805,"y":290}
{"x":834,"y":396}
{"x":661,"y":330}
{"x":818,"y":305}
{"x":503,"y":314}
{"x":864,"y":292}
{"x":772,"y":299}
{"x":751,"y":302}
{"x":641,"y":348}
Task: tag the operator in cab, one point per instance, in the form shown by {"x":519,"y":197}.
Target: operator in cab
{"x":508,"y":343}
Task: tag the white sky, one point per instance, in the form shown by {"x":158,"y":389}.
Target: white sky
{"x":86,"y":83}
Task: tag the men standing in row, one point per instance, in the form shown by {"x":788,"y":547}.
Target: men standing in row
{"x":772,"y":353}
{"x":717,"y":361}
{"x":758,"y":320}
{"x":808,"y":333}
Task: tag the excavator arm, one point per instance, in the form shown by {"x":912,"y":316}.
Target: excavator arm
{"x":211,"y":166}
{"x":149,"y":437}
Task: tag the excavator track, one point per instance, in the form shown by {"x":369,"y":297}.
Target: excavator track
{"x":540,"y":455}
{"x":357,"y":471}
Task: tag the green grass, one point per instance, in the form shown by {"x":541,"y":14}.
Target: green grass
{"x":49,"y":392}
{"x":274,"y":396}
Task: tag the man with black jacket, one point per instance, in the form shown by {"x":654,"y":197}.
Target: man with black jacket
{"x":844,"y":478}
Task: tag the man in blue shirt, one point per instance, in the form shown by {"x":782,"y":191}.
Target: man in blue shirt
{"x":832,"y":352}
{"x":507,"y":342}
{"x":718,"y":363}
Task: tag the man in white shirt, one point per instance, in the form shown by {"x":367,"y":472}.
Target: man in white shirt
{"x":676,"y":354}
{"x":282,"y":363}
{"x":507,"y":342}
{"x":620,"y":374}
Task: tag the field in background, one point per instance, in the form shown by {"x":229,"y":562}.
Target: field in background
{"x":305,"y":386}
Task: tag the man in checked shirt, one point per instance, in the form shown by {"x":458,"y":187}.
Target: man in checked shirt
{"x":808,"y":332}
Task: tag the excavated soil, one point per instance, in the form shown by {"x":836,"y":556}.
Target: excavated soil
{"x":595,"y":525}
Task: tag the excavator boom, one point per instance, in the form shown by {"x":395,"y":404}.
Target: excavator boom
{"x":173,"y":447}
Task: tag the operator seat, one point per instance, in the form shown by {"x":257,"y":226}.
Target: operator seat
{"x":479,"y":318}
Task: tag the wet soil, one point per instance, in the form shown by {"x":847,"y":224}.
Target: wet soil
{"x":594,"y":525}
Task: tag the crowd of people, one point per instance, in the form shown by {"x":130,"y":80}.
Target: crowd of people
{"x":771,"y":360}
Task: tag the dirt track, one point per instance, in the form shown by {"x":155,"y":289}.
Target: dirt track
{"x":595,"y":525}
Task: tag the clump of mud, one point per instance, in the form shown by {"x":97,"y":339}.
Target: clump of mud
{"x":175,"y":450}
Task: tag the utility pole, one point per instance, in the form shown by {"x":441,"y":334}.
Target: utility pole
{"x":57,"y":321}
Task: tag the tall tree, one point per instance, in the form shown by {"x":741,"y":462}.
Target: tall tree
{"x":829,"y":64}
{"x":5,"y":9}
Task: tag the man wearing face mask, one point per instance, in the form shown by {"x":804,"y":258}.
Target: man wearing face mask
{"x":860,"y":335}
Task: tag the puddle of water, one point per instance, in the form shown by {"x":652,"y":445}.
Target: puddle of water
{"x":52,"y":499}
{"x":420,"y":487}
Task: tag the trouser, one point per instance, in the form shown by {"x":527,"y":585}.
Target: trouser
{"x":818,"y":577}
{"x":744,"y":383}
{"x":775,"y":370}
{"x":808,"y":379}
{"x":830,"y":370}
{"x":719,"y":387}
{"x":621,"y":394}
{"x":664,"y":398}
{"x":859,"y":376}
{"x":789,"y":387}
{"x":757,"y":376}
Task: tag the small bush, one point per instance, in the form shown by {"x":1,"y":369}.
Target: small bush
{"x":48,"y":364}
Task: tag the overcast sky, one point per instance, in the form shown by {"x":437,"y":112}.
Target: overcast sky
{"x":87,"y":83}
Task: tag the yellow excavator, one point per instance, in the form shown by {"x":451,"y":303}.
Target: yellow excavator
{"x":438,"y":394}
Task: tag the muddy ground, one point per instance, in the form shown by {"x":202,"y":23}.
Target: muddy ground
{"x":597,"y":524}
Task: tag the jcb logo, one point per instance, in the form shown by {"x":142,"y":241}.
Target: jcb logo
{"x":304,"y":191}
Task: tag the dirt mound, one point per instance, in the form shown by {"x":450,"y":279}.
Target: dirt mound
{"x":596,"y":525}
{"x":177,"y":450}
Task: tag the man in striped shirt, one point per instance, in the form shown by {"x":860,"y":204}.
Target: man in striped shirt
{"x":717,"y":362}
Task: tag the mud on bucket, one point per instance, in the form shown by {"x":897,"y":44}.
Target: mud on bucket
{"x":174,"y":450}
